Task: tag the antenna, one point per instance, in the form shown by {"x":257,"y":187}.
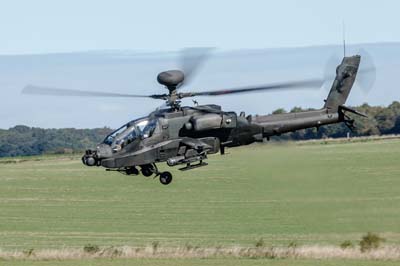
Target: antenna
{"x":344,"y":38}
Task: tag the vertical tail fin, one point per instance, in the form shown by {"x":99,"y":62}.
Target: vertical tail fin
{"x":346,"y":74}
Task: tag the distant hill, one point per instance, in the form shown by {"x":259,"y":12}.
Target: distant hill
{"x":23,"y":140}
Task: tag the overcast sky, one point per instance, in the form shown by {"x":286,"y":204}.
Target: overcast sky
{"x":47,"y":26}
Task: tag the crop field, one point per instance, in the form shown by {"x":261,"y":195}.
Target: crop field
{"x":273,"y":195}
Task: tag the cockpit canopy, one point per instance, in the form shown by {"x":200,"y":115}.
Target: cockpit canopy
{"x":141,"y":128}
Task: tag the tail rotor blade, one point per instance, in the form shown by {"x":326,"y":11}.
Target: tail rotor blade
{"x":330,"y":70}
{"x":367,"y":73}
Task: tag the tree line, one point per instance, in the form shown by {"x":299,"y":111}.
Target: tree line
{"x":23,"y":140}
{"x":380,"y":121}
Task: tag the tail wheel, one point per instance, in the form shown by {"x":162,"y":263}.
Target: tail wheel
{"x":165,"y":178}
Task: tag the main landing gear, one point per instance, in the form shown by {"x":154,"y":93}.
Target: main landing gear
{"x":165,"y":178}
{"x":151,"y":169}
{"x":147,"y":170}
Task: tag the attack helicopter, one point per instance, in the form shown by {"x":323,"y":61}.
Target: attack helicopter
{"x":185,"y":135}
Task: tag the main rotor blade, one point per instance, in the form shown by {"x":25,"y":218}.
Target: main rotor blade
{"x":191,"y":60}
{"x":38,"y":90}
{"x":311,"y":83}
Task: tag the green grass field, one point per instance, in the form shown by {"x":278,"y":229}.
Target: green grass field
{"x":307,"y":194}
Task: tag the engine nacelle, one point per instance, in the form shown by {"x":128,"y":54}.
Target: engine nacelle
{"x":212,"y":121}
{"x":207,"y":122}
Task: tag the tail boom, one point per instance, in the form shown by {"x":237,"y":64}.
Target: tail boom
{"x":331,"y":113}
{"x":282,"y":123}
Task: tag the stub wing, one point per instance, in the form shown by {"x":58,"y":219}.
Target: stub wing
{"x":176,"y":151}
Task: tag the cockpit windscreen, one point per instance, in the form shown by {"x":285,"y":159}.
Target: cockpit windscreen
{"x":143,"y":128}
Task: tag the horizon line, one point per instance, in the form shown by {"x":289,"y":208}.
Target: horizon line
{"x":144,"y":52}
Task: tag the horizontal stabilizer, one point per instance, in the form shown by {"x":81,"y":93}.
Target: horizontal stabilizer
{"x":348,"y":109}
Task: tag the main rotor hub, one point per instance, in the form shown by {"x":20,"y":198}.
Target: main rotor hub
{"x":170,"y":78}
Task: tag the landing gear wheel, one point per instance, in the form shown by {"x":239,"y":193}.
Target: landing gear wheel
{"x":147,"y":170}
{"x":165,"y":178}
{"x":132,"y":171}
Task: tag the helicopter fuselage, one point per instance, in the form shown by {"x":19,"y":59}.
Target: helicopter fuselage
{"x":186,"y":135}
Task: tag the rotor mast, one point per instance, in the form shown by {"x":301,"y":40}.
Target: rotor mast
{"x":171,"y":79}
